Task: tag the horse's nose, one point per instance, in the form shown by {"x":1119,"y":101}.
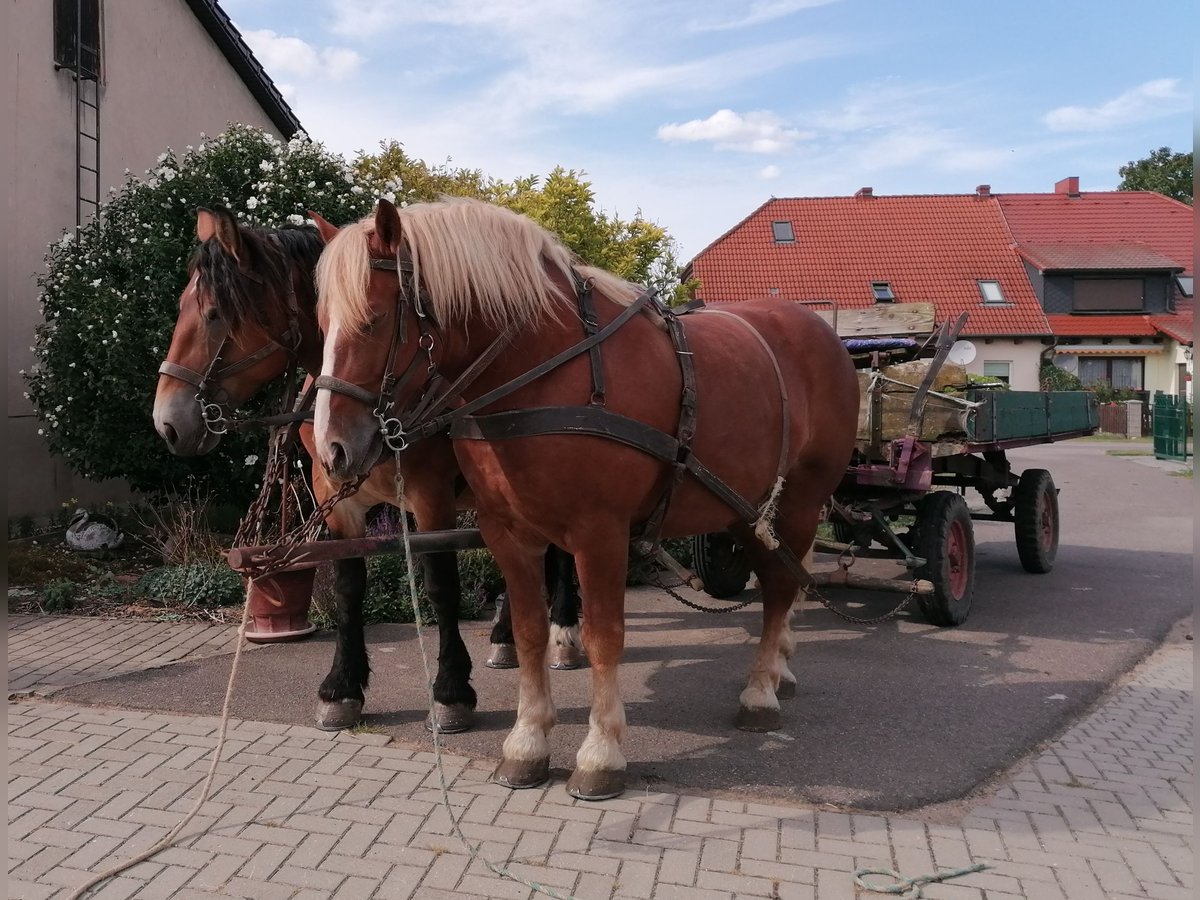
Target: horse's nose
{"x":168,"y":433}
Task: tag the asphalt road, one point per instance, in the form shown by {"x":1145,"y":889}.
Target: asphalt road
{"x":888,"y":717}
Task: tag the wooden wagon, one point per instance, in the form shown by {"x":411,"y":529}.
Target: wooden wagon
{"x":927,"y":434}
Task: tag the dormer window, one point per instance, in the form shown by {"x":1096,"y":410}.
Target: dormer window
{"x":783,"y":233}
{"x":990,"y":290}
{"x":882,"y":291}
{"x":1184,"y":282}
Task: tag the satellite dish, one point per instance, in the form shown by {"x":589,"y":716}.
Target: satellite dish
{"x":962,"y":352}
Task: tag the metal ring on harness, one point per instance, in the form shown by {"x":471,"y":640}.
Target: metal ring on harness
{"x":213,"y":415}
{"x":393,"y":433}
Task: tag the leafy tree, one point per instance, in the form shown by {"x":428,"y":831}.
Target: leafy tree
{"x":1162,"y":171}
{"x":563,"y":203}
{"x":110,"y":295}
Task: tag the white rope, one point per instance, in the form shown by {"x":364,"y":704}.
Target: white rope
{"x":472,"y":849}
{"x":171,"y":836}
{"x":764,"y":528}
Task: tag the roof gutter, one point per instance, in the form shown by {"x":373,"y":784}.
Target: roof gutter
{"x":235,"y":49}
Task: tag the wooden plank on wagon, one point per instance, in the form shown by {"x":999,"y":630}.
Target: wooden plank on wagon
{"x":886,"y":319}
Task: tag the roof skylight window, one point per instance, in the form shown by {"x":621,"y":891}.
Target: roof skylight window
{"x":882,"y":291}
{"x":991,"y":292}
{"x":1185,"y":284}
{"x":783,"y":232}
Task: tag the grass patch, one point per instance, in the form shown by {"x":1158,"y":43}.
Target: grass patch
{"x":1130,"y":452}
{"x":1183,"y":473}
{"x":1110,"y":438}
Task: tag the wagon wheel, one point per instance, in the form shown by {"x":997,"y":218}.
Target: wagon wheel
{"x":946,"y":540}
{"x":1035,"y":501}
{"x":721,"y":563}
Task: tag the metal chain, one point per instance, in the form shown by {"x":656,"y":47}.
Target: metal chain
{"x":812,"y":593}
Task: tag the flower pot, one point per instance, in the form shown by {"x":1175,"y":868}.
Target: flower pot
{"x":279,"y":605}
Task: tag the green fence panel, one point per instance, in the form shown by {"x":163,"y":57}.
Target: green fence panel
{"x":1171,"y":427}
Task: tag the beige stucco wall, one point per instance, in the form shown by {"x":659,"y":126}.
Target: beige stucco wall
{"x":165,"y":82}
{"x":1024,"y":356}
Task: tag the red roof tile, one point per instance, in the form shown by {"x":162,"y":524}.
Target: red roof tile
{"x":1095,"y":257}
{"x":1179,"y":325}
{"x":1106,"y":217}
{"x":929,"y":248}
{"x":1102,"y":326}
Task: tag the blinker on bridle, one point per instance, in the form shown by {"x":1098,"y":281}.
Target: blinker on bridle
{"x":384,"y":402}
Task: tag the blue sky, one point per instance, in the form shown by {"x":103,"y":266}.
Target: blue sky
{"x":696,"y":112}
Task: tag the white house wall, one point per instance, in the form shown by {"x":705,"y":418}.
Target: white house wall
{"x":1025,"y":357}
{"x":165,"y":82}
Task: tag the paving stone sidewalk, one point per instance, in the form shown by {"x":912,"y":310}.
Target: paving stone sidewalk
{"x":50,"y":652}
{"x":300,"y":814}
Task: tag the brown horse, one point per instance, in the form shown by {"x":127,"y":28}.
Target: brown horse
{"x":248,"y":308}
{"x":461,"y":302}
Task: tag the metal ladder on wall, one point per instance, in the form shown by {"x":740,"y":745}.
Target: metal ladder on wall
{"x":87,"y":124}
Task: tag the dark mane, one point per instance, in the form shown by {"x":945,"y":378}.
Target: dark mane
{"x":268,"y":254}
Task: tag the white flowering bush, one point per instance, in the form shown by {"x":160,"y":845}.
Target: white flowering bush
{"x":110,"y":296}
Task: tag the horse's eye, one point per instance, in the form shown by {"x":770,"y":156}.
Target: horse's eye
{"x":211,"y":314}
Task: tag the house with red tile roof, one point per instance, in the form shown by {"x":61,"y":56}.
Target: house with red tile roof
{"x":1024,"y":294}
{"x":1113,"y":270}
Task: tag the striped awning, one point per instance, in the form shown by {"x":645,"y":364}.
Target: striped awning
{"x":1108,"y":349}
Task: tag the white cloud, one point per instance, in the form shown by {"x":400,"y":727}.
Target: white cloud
{"x":1149,"y":100}
{"x":759,"y":12}
{"x":754,"y":132}
{"x":767,"y":173}
{"x":281,"y":54}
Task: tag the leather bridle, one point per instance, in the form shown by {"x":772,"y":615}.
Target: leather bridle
{"x":210,"y":395}
{"x":383,"y":402}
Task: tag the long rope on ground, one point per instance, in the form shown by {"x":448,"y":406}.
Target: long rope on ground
{"x":910,"y":888}
{"x":472,"y":849}
{"x":173,"y":835}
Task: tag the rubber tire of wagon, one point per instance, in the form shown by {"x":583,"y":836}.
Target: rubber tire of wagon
{"x":1035,"y":512}
{"x":721,"y":564}
{"x":946,"y":540}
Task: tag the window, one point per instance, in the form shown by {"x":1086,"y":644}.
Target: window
{"x":882,"y":291}
{"x":783,"y":232}
{"x":1118,"y":372}
{"x":77,"y":31}
{"x":1185,"y":284}
{"x":991,"y":292}
{"x":1001,"y":370}
{"x":1108,"y":295}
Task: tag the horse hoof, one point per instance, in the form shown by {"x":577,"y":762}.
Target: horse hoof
{"x":565,"y":656}
{"x":519,"y":774}
{"x":758,"y":719}
{"x":786,"y":690}
{"x":338,"y":715}
{"x":600,"y":784}
{"x":504,"y":656}
{"x":450,"y":718}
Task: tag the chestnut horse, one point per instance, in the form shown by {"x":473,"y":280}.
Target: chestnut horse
{"x":466,"y":304}
{"x":248,"y":308}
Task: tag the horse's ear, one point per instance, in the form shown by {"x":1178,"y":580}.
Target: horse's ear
{"x":387,"y":225}
{"x":326,"y":229}
{"x":206,"y":224}
{"x":227,"y":232}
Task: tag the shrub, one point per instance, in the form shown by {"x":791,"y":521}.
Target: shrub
{"x":109,"y":299}
{"x":59,"y":595}
{"x":197,"y":584}
{"x":1053,"y":378}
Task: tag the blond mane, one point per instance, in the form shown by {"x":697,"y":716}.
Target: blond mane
{"x":472,"y":259}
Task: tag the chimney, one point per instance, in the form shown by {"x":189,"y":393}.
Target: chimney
{"x":1068,"y":186}
{"x":983,"y":191}
{"x":864,"y":193}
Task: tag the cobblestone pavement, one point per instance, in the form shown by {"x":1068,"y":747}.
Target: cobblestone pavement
{"x":50,"y":652}
{"x":301,"y":814}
